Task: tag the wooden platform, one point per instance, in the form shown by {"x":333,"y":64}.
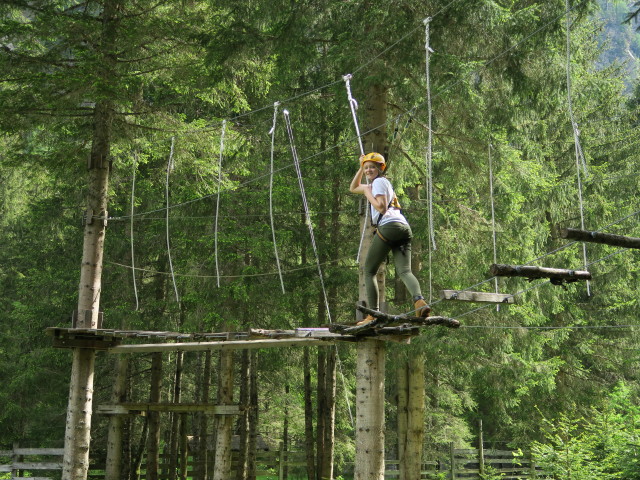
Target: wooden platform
{"x":392,"y":328}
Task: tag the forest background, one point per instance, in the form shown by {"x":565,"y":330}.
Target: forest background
{"x":557,"y":368}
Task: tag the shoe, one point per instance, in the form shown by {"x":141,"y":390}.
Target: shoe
{"x":368,"y":319}
{"x":421,"y":308}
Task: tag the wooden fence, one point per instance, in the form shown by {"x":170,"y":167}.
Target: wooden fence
{"x":459,"y":464}
{"x":31,"y":462}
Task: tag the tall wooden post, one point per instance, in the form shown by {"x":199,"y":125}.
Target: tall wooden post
{"x":369,"y":464}
{"x":222,"y":470}
{"x":370,"y":369}
{"x":78,"y":426}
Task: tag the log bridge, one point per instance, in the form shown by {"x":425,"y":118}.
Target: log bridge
{"x":556,"y":276}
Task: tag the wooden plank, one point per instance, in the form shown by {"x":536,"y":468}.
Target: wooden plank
{"x":482,"y":297}
{"x":225,"y":345}
{"x":556,"y":275}
{"x":133,"y":408}
{"x":38,"y":451}
{"x":603,"y":238}
{"x":37,"y":465}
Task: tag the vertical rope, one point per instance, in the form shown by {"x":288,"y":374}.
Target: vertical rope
{"x":166,"y":190}
{"x":273,"y":229}
{"x":133,"y":197}
{"x":429,"y":156}
{"x":493,"y":220}
{"x":215,"y":228}
{"x":576,"y":137}
{"x":296,"y":162}
{"x":354,"y":106}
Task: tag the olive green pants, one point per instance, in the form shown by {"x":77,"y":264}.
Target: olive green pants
{"x":399,"y":242}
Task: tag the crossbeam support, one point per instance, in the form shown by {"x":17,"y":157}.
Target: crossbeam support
{"x":481,"y":297}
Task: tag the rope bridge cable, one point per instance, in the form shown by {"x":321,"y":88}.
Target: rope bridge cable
{"x":576,"y":134}
{"x":413,"y":109}
{"x":273,"y":229}
{"x":215,"y":229}
{"x":294,"y":153}
{"x":353,"y":105}
{"x":169,"y":168}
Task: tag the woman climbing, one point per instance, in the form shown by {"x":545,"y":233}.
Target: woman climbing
{"x":393,"y":233}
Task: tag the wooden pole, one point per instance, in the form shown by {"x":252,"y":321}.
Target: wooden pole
{"x":531,"y":272}
{"x":369,"y":461}
{"x":598,"y":237}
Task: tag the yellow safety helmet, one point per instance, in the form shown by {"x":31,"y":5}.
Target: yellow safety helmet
{"x":374,"y":157}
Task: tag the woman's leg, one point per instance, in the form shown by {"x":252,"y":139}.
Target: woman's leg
{"x":377,"y":253}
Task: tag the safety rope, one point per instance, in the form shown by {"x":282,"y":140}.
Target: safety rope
{"x":493,"y":220}
{"x":296,"y":162}
{"x":133,"y":263}
{"x":429,"y":155}
{"x":576,"y":136}
{"x":215,"y":228}
{"x":166,"y":190}
{"x":273,"y":229}
{"x":353,"y":104}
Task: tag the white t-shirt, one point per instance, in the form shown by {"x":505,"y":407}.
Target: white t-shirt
{"x":382,"y":186}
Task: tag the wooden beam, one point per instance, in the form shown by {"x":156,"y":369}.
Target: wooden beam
{"x":556,"y":275}
{"x":484,"y":297}
{"x":225,"y":345}
{"x":141,"y":408}
{"x":597,"y":237}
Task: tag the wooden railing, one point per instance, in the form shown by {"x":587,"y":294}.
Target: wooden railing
{"x":20,"y":461}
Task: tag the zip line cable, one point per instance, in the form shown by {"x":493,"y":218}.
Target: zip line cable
{"x":294,"y":153}
{"x":273,"y":228}
{"x":215,"y":229}
{"x":576,"y":136}
{"x":133,"y":197}
{"x":169,"y":168}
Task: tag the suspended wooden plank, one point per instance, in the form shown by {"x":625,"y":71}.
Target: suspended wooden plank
{"x":597,"y":237}
{"x":142,"y":408}
{"x":482,"y":297}
{"x":556,"y":275}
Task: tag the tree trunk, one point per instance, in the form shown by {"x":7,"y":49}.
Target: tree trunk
{"x":415,"y":417}
{"x":175,"y":418}
{"x":153,"y":440}
{"x":200,"y":461}
{"x":113,"y":469}
{"x":78,"y":423}
{"x":184,"y":447}
{"x":329,"y":414}
{"x":222,"y":470}
{"x":285,"y":434}
{"x":308,"y":416}
{"x":321,"y":405}
{"x":369,"y":464}
{"x":243,"y":420}
{"x":253,"y":416}
{"x":137,"y":461}
{"x":403,"y":393}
